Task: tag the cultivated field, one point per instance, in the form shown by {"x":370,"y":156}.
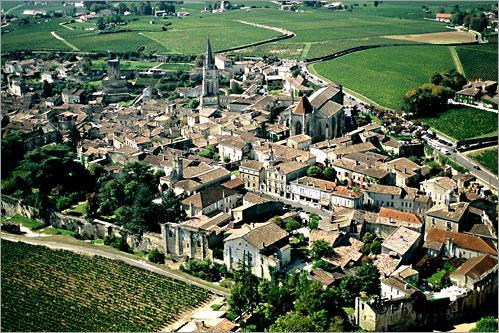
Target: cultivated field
{"x":56,"y":290}
{"x":438,"y":37}
{"x":318,"y":32}
{"x":385,"y":74}
{"x":479,"y":61}
{"x":464,"y":123}
{"x":487,"y":158}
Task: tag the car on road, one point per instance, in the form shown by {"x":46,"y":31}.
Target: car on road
{"x":476,"y":167}
{"x":445,"y":151}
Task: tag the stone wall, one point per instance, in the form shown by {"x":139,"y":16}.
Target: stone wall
{"x":146,"y":242}
{"x":13,"y":206}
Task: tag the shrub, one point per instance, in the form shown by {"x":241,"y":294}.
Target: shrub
{"x":156,"y":257}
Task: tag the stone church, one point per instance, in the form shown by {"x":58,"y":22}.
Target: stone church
{"x":210,"y":87}
{"x":321,"y":116}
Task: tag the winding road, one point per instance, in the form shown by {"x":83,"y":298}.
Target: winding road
{"x":93,"y":251}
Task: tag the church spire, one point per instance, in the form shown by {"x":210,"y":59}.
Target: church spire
{"x":209,"y":55}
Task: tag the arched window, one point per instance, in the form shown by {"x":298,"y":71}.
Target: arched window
{"x":298,"y":128}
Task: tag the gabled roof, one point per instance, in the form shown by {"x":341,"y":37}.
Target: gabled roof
{"x":303,"y":107}
{"x":262,"y":235}
{"x":321,"y":96}
{"x":476,"y":267}
{"x":461,"y":240}
{"x":208,"y":196}
{"x":330,"y":108}
{"x":399,"y":216}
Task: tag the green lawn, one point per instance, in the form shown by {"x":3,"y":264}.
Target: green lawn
{"x":57,"y":231}
{"x":479,"y":61}
{"x":487,"y":158}
{"x":28,"y":223}
{"x":78,"y":208}
{"x":386,"y":74}
{"x":464,"y":123}
{"x":73,"y":292}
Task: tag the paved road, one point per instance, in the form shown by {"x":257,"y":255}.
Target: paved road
{"x":485,"y":177}
{"x":91,"y":251}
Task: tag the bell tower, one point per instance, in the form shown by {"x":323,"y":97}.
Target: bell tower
{"x":210,"y":88}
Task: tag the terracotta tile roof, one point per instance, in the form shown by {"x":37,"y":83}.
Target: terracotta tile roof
{"x":252,"y":164}
{"x":262,"y":235}
{"x":385,"y":189}
{"x":325,"y":278}
{"x":303,"y":107}
{"x":454,"y":212}
{"x":224,"y":326}
{"x":208,"y":196}
{"x":323,"y":185}
{"x":461,"y":240}
{"x":233,"y":183}
{"x":401,"y":240}
{"x":476,"y":267}
{"x":329,"y":236}
{"x":398,"y":216}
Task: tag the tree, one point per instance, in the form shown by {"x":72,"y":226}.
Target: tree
{"x":121,"y":8}
{"x":375,"y":247}
{"x":321,"y":249}
{"x":13,"y":147}
{"x":426,"y":100}
{"x":367,"y":279}
{"x":329,"y":173}
{"x":244,"y":293}
{"x":436,"y":78}
{"x":479,"y":23}
{"x":47,"y":90}
{"x":172,"y":210}
{"x":314,"y":221}
{"x":293,"y":322}
{"x":314,"y":172}
{"x":101,"y":25}
{"x":156,"y":257}
{"x":458,"y":18}
{"x":291,"y":224}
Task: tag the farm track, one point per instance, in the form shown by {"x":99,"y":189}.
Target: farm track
{"x":154,"y":39}
{"x":457,"y":61}
{"x":92,"y":252}
{"x":64,"y":41}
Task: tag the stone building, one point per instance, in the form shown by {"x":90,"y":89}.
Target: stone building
{"x":252,"y":173}
{"x":210,"y":85}
{"x":263,"y":247}
{"x":321,"y":116}
{"x":196,"y":238}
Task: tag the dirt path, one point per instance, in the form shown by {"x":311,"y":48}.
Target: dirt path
{"x":14,"y":8}
{"x":64,"y":41}
{"x":63,"y":24}
{"x":457,"y":61}
{"x":186,"y":316}
{"x":282,"y":31}
{"x":154,"y":39}
{"x":93,"y":251}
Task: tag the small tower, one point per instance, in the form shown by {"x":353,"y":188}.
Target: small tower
{"x":177,"y":172}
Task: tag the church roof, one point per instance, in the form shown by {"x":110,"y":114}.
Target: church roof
{"x":303,"y":107}
{"x":321,"y":96}
{"x":330,"y":108}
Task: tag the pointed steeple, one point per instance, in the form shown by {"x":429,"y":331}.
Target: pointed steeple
{"x":209,"y":56}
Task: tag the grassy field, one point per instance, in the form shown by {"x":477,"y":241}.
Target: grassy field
{"x":385,"y":74}
{"x":24,"y":221}
{"x":464,"y":123}
{"x":479,"y":61}
{"x":73,"y":292}
{"x":487,"y":158}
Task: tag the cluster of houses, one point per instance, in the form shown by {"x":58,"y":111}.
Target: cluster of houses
{"x":239,"y":160}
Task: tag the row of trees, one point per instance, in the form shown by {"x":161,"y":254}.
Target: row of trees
{"x":469,"y":18}
{"x":293,"y":303}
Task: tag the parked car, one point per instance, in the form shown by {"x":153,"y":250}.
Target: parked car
{"x":476,"y":167}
